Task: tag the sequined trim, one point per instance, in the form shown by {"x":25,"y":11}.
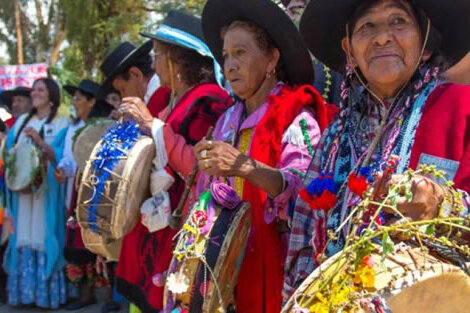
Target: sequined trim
{"x":245,"y":140}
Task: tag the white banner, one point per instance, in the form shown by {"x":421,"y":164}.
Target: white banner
{"x":12,"y":76}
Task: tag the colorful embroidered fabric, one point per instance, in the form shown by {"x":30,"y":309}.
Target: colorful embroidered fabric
{"x":341,"y":151}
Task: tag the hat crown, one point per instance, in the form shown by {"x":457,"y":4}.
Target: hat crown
{"x":89,"y":86}
{"x":184,"y":22}
{"x":116,"y":57}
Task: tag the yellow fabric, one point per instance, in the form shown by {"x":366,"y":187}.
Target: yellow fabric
{"x":134,"y":309}
{"x":245,"y":140}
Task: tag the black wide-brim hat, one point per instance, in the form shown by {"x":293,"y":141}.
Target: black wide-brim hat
{"x":323,"y":26}
{"x":120,"y":59}
{"x":6,"y":96}
{"x":189,"y":24}
{"x":218,"y":14}
{"x":86,"y":86}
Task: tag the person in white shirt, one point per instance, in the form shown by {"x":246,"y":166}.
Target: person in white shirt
{"x":80,"y":267}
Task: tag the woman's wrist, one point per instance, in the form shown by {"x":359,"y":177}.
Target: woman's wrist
{"x":247,"y":167}
{"x":146,"y":126}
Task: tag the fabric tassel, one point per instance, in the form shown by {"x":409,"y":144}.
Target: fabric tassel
{"x":360,"y":183}
{"x":320,"y":193}
{"x":293,"y":135}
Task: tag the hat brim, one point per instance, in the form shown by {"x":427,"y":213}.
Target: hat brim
{"x":7,"y":95}
{"x":159,"y":38}
{"x":323,"y":26}
{"x":70,"y":89}
{"x":218,"y":14}
{"x":107,"y":84}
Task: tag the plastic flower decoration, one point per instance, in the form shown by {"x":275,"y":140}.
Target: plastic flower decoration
{"x":177,"y":283}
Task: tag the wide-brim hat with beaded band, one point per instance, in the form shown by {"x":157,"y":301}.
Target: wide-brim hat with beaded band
{"x":218,"y":14}
{"x":119,"y":60}
{"x":184,"y":30}
{"x":323,"y":26}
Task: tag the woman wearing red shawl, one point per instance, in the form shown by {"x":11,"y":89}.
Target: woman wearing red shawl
{"x":183,"y":63}
{"x":263,"y":143}
{"x":394,"y":104}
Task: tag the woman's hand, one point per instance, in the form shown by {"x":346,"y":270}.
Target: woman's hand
{"x":60,"y":175}
{"x":217,"y":158}
{"x":426,"y":200}
{"x":33,"y":134}
{"x":133,"y":108}
{"x":40,"y":143}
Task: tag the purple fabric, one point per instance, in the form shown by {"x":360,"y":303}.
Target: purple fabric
{"x":225,"y":195}
{"x":292,"y":156}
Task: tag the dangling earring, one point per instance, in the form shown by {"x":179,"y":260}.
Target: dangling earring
{"x":271,"y":73}
{"x":178,"y":77}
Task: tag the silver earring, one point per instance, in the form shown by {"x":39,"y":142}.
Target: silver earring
{"x":178,"y":77}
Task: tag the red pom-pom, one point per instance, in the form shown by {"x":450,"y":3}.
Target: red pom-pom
{"x":305,"y":196}
{"x":358,"y":185}
{"x":325,"y":202}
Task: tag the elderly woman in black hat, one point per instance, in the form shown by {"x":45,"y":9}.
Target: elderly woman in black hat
{"x":394,"y":103}
{"x":263,"y":143}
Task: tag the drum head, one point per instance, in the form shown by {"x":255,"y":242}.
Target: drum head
{"x":22,"y":166}
{"x":85,"y":141}
{"x":96,"y":244}
{"x":410,"y":280}
{"x":229,"y":261}
{"x":223,"y":252}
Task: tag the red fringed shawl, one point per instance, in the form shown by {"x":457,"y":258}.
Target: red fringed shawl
{"x":261,"y":276}
{"x":145,"y":256}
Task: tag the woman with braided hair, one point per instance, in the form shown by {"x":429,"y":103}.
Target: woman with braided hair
{"x":34,"y":258}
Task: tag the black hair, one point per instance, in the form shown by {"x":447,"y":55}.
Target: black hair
{"x":54,"y":97}
{"x":87,"y":95}
{"x":143,"y":63}
{"x":100,"y":109}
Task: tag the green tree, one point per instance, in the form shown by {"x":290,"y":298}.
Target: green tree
{"x":95,"y":27}
{"x":42,"y":29}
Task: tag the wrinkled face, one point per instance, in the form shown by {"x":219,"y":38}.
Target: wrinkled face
{"x":114,"y":99}
{"x":20,"y":105}
{"x":160,"y":64}
{"x":82,"y":105}
{"x":40,"y":95}
{"x":245,"y":64}
{"x":386,"y":44}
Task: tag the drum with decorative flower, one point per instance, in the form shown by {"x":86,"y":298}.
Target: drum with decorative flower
{"x":87,"y":137}
{"x":407,"y":280}
{"x":207,"y":258}
{"x":115,"y":183}
{"x":25,"y":168}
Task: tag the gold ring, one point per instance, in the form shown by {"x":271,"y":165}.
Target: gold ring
{"x":207,"y":165}
{"x":209,"y":143}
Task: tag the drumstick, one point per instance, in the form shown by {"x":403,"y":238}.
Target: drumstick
{"x":175,"y":219}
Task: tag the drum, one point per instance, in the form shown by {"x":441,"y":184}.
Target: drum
{"x":86,"y":138}
{"x":207,"y":258}
{"x":115,"y":183}
{"x":24,"y":169}
{"x":410,"y":280}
